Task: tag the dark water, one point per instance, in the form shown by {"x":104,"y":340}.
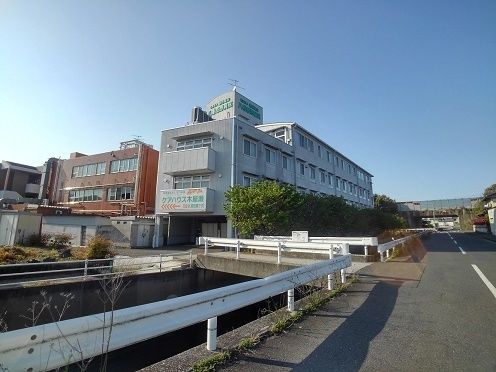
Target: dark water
{"x":155,"y":350}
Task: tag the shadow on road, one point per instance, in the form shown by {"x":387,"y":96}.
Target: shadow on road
{"x":347,"y":347}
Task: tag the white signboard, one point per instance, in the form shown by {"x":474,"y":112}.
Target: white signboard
{"x":299,"y":236}
{"x":183,"y":200}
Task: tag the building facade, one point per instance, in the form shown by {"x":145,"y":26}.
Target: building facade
{"x":114,"y":183}
{"x":230,"y":146}
{"x":20,"y":178}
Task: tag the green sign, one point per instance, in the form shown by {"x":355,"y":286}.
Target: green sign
{"x":220,"y":106}
{"x":249,"y":108}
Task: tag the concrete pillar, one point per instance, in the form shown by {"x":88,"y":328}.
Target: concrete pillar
{"x":157,"y":233}
{"x":230,"y":229}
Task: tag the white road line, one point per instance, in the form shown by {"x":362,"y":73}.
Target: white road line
{"x":485,"y":280}
{"x":455,"y":241}
{"x":461,"y":250}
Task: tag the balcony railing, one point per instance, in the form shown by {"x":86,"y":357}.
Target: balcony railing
{"x":187,"y":162}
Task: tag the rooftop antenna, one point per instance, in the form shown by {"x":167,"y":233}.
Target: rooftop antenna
{"x":235,"y":85}
{"x":137,"y":137}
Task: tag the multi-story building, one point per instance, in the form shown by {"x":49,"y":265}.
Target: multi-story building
{"x":120,"y":182}
{"x":20,"y":178}
{"x":228,"y":144}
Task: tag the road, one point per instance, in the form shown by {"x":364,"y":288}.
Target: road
{"x":434,"y":312}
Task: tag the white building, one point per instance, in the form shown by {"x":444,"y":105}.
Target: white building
{"x":228,"y":144}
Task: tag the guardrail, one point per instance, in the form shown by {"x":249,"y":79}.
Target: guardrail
{"x":275,"y":246}
{"x":55,"y":345}
{"x":366,"y":242}
{"x":385,"y":247}
{"x":29,"y":273}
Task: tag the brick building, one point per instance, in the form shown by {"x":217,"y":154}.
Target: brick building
{"x":114,"y":183}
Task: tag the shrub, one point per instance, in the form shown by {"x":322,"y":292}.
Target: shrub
{"x":99,"y":247}
{"x":59,"y":241}
{"x":12,"y":254}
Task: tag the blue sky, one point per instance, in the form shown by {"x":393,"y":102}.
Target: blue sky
{"x":407,"y":89}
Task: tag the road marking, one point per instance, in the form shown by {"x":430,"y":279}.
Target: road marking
{"x":485,"y":280}
{"x":459,"y":247}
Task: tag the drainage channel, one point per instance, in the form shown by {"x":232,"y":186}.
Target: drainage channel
{"x":16,"y":305}
{"x":148,"y":352}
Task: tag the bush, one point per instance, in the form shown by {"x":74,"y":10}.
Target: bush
{"x":270,"y":208}
{"x":59,"y":241}
{"x":99,"y":247}
{"x":12,"y":255}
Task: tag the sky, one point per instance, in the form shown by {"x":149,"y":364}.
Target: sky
{"x":406,"y":89}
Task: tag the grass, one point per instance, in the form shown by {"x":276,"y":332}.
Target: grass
{"x":283,"y":321}
{"x":212,"y":362}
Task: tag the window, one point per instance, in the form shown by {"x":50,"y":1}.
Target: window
{"x":249,"y":180}
{"x":319,"y":151}
{"x":280,"y":134}
{"x":336,"y":161}
{"x":301,"y":167}
{"x":120,"y":193}
{"x":329,"y":179}
{"x":338,"y":183}
{"x":329,"y":157}
{"x":249,"y":148}
{"x":312,"y":172}
{"x":85,"y":195}
{"x":194,"y":143}
{"x":322,"y":176}
{"x":287,"y":163}
{"x":305,"y":142}
{"x":270,"y":156}
{"x":124,"y":165}
{"x":188,"y":182}
{"x":86,"y":170}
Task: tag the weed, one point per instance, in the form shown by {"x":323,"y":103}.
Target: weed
{"x":247,"y":343}
{"x":213,"y":361}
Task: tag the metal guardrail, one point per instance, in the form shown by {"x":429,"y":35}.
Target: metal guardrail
{"x":366,"y":242}
{"x":275,"y":246}
{"x":55,"y":345}
{"x":385,"y":247}
{"x":26,"y":273}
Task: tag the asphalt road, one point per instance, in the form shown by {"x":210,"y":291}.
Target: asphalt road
{"x":433,"y":313}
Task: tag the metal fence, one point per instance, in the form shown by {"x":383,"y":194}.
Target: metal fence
{"x":386,"y":247}
{"x":280,"y":247}
{"x":53,"y":272}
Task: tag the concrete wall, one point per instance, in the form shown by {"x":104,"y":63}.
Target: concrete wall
{"x":255,"y":269}
{"x":17,"y":227}
{"x":141,"y":289}
{"x":492,"y":219}
{"x":73,"y":225}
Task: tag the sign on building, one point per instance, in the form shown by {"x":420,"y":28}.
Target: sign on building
{"x":183,"y":200}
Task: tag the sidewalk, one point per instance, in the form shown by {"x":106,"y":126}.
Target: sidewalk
{"x":337,"y":337}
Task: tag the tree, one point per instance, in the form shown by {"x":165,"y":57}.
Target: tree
{"x":489,"y":190}
{"x":385,"y":204}
{"x":265,"y":208}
